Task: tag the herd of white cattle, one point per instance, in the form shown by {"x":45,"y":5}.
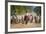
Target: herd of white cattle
{"x":25,"y":19}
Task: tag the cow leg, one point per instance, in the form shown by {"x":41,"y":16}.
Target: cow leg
{"x":22,"y":21}
{"x":26,"y":21}
{"x":15,"y":21}
{"x":39,"y":20}
{"x":11,"y":21}
{"x":30,"y":21}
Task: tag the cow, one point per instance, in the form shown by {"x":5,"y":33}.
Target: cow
{"x":35,"y":18}
{"x":13,"y":19}
{"x":19,"y":18}
{"x":30,"y":18}
{"x":26,"y":19}
{"x":38,"y":19}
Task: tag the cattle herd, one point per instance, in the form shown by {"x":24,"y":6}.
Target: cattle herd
{"x":25,"y":19}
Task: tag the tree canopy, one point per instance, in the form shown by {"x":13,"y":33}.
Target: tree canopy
{"x":20,"y":9}
{"x":38,"y":10}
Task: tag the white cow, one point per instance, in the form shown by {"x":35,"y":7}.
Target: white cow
{"x":19,"y":18}
{"x":13,"y":19}
{"x":38,"y":19}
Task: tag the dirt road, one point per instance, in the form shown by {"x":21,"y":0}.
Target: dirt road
{"x":29,"y":25}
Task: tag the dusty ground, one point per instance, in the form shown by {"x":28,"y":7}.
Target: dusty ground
{"x":29,"y":25}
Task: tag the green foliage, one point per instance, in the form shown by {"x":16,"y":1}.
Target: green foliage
{"x":38,"y":10}
{"x":13,"y":10}
{"x":19,"y":10}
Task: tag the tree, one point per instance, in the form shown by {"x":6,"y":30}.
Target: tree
{"x":19,"y":10}
{"x":13,"y":10}
{"x":37,"y":10}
